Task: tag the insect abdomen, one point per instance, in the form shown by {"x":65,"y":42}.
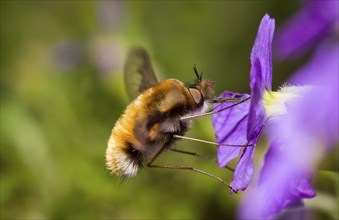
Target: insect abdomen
{"x":147,"y":125}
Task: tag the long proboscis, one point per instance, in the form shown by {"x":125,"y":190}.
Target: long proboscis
{"x":214,"y":112}
{"x":213,"y":143}
{"x":210,"y":113}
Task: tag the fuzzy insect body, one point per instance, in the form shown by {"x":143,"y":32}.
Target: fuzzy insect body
{"x":151,"y":120}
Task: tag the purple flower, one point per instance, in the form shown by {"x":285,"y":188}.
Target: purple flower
{"x":302,"y":124}
{"x":314,"y":22}
{"x":243,"y":124}
{"x":231,"y":127}
{"x":300,"y":139}
{"x":281,"y":186}
{"x":260,"y":76}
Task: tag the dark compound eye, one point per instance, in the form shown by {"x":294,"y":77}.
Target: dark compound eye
{"x":196,"y":94}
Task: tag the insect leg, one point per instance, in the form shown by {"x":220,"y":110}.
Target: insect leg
{"x":195,"y":170}
{"x":198,"y":155}
{"x":150,"y":164}
{"x":193,"y":154}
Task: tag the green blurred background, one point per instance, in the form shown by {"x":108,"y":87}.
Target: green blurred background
{"x":62,"y":91}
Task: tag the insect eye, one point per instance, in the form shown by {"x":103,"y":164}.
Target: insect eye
{"x":196,"y":94}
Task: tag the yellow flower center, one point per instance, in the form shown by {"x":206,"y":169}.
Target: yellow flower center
{"x":276,"y":102}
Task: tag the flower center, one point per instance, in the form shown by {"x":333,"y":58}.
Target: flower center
{"x":276,"y":103}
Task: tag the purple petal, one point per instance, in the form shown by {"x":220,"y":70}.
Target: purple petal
{"x":282,"y":184}
{"x":230,"y":127}
{"x":302,"y":188}
{"x":297,"y":186}
{"x":261,"y":55}
{"x":323,"y":64}
{"x":318,"y":113}
{"x":305,"y":133}
{"x":244,"y":123}
{"x":314,"y":22}
{"x":256,"y":121}
{"x":260,"y":76}
{"x":244,"y":170}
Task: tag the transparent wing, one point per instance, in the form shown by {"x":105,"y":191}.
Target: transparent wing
{"x":138,"y":72}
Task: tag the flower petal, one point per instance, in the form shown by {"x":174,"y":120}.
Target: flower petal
{"x":260,"y":76}
{"x":314,"y":22}
{"x":244,"y":170}
{"x":261,"y":55}
{"x":244,"y":123}
{"x":309,"y":128}
{"x":282,"y":185}
{"x":256,"y":117}
{"x":230,"y":127}
{"x":319,"y":111}
{"x":303,"y":188}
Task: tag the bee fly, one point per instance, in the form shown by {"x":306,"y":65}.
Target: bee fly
{"x":160,"y":113}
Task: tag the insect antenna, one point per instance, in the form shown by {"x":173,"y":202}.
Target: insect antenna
{"x":195,"y":68}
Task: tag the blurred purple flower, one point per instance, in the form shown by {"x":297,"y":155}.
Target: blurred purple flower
{"x":310,"y":129}
{"x":314,"y":22}
{"x":67,"y":55}
{"x":107,"y":54}
{"x":281,"y":186}
{"x":111,"y":14}
{"x":243,"y":124}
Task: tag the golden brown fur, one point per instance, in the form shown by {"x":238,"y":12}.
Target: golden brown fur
{"x":150,"y":122}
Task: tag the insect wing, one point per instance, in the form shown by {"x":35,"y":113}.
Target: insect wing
{"x":138,"y":72}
